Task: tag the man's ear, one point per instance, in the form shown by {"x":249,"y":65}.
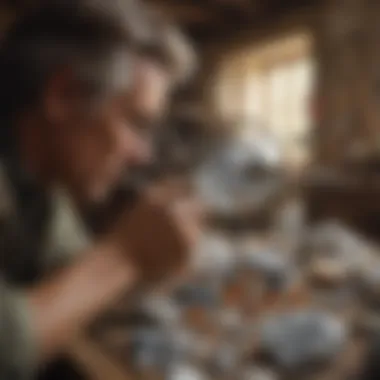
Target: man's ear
{"x":61,"y":97}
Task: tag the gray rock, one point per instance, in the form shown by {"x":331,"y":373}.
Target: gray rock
{"x":183,"y":371}
{"x":197,"y":295}
{"x":157,"y":348}
{"x":241,"y":174}
{"x":275,"y":267}
{"x":257,"y":373}
{"x":296,"y":339}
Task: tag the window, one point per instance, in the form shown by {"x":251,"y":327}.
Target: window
{"x":268,"y":87}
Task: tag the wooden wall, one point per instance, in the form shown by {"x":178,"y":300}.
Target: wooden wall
{"x":302,"y":19}
{"x":347,"y":106}
{"x":347,"y":52}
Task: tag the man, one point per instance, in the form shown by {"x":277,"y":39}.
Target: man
{"x":81,"y":89}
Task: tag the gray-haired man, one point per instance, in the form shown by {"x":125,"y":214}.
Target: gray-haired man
{"x":81,"y":88}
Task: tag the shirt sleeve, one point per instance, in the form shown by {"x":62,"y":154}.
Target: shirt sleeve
{"x":65,"y":239}
{"x":67,"y":235}
{"x":18,"y":350}
{"x":17,"y":344}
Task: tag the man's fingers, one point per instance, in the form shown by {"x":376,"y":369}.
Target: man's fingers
{"x":188,"y":215}
{"x":167,"y":191}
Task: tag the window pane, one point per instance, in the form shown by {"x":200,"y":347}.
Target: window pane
{"x":270,"y":86}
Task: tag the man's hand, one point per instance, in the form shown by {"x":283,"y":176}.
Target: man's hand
{"x":157,"y":235}
{"x":148,"y":244}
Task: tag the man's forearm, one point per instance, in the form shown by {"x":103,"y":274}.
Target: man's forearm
{"x":66,"y":303}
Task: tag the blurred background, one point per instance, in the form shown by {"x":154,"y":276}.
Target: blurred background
{"x":278,"y":135}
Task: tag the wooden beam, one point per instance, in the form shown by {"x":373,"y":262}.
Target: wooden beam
{"x":268,"y":21}
{"x":240,"y":4}
{"x":6,"y":18}
{"x":184,"y":12}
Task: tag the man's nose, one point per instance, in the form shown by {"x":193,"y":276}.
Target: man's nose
{"x":139,"y":151}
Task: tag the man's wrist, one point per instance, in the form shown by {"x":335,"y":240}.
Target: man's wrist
{"x":69,"y":301}
{"x":118,"y":255}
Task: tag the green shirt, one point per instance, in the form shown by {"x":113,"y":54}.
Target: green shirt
{"x":40,"y":231}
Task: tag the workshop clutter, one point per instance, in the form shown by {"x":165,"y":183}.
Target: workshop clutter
{"x":252,"y":311}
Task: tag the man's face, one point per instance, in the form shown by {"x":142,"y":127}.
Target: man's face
{"x":93,"y":148}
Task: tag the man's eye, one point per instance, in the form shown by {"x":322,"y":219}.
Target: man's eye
{"x":140,"y":128}
{"x":142,"y":124}
{"x":135,"y":121}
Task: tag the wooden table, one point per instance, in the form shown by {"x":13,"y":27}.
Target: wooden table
{"x":94,"y":362}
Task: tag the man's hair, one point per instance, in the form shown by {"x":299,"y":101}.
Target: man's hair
{"x":92,"y":37}
{"x":169,"y":46}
